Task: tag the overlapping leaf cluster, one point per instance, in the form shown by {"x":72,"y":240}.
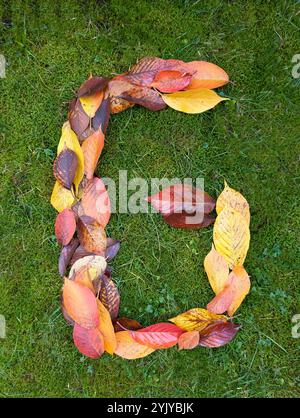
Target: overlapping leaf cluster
{"x":90,"y":299}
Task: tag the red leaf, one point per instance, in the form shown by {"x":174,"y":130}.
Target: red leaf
{"x":92,"y":85}
{"x":219,"y":334}
{"x":89,"y":342}
{"x":188,"y":221}
{"x":80,"y":304}
{"x":65,"y":167}
{"x":162,"y":335}
{"x":182,"y":197}
{"x":65,"y":226}
{"x":92,"y":148}
{"x":95,"y":201}
{"x":66,"y":255}
{"x":171,"y":81}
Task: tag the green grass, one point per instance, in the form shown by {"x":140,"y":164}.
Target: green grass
{"x":252,"y":142}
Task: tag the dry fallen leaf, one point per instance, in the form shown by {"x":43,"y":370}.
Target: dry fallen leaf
{"x":231,"y":236}
{"x":217,"y":270}
{"x":235,"y":200}
{"x":193,"y":101}
{"x":80,"y":304}
{"x":130,"y":349}
{"x":196,"y":319}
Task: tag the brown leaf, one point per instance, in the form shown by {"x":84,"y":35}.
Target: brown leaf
{"x":92,"y":148}
{"x":108,"y":294}
{"x":65,"y":167}
{"x":188,"y":221}
{"x":217,"y":335}
{"x":126,"y":324}
{"x":65,"y":226}
{"x":112,"y":248}
{"x":101,"y":118}
{"x":78,"y":119}
{"x":145,"y":97}
{"x":91,"y":235}
{"x":92,"y":85}
{"x":66,"y":255}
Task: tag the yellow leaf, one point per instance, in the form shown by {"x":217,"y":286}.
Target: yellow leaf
{"x":106,"y":328}
{"x":196,"y":319}
{"x":69,"y":139}
{"x":231,"y":236}
{"x":130,"y":349}
{"x":217,"y":270}
{"x":235,"y":200}
{"x":91,"y":103}
{"x":193,"y":101}
{"x":61,"y":197}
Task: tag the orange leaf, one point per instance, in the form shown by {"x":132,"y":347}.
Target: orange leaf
{"x":216,"y":269}
{"x":92,"y":148}
{"x":188,"y":340}
{"x":83,"y":276}
{"x":95,"y":201}
{"x":88,"y":341}
{"x":130,"y":349}
{"x":206,"y":75}
{"x":65,"y":226}
{"x":91,"y":235}
{"x":106,"y":328}
{"x":171,"y":81}
{"x":235,"y":290}
{"x":162,"y":335}
{"x":80,"y":304}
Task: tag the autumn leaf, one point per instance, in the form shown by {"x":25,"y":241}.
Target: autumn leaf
{"x":144,"y":71}
{"x":193,"y":101}
{"x":80,"y":304}
{"x":162,"y":335}
{"x":91,"y":235}
{"x":196,"y":319}
{"x":130,"y":349}
{"x":109,"y":295}
{"x":65,"y":226}
{"x":91,"y":103}
{"x":206,"y":75}
{"x":106,"y":328}
{"x":169,"y":81}
{"x":93,"y":85}
{"x":231,"y":236}
{"x":80,"y":252}
{"x":78,"y":119}
{"x":182,"y":197}
{"x":217,"y":335}
{"x":61,"y":197}
{"x":66,"y":316}
{"x":92,"y":148}
{"x":188,"y":340}
{"x":95,"y":201}
{"x":84,"y":276}
{"x":125,"y":324}
{"x":89,"y":342}
{"x":65,"y":167}
{"x":234,"y":292}
{"x":112,"y":248}
{"x":235,"y":200}
{"x":145,"y":97}
{"x":217,"y":270}
{"x":95,"y":263}
{"x":188,"y":221}
{"x":69,"y":139}
{"x":101,"y":118}
{"x":66,"y":255}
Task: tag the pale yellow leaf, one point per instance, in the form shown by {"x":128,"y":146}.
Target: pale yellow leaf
{"x":235,"y":200}
{"x":61,"y":197}
{"x":69,"y":139}
{"x":217,"y":270}
{"x":193,"y":101}
{"x":231,"y":236}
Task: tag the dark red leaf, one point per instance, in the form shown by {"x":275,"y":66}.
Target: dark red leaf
{"x":92,"y":85}
{"x":78,"y":119}
{"x":145,"y":97}
{"x":65,"y":167}
{"x":101,"y":118}
{"x":218,"y":334}
{"x":79,"y":253}
{"x":66,"y":255}
{"x":188,"y":221}
{"x":112,"y":248}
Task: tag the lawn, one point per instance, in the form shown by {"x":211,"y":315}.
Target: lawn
{"x":251,"y":141}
